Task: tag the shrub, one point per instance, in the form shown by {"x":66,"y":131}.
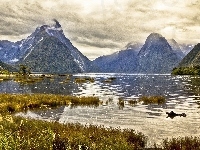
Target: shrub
{"x":181,"y":143}
{"x":152,"y":100}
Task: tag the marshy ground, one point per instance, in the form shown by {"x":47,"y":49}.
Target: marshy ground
{"x":21,"y":133}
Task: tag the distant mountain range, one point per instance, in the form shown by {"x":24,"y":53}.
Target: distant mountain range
{"x":48,"y":50}
{"x":125,"y":61}
{"x":155,"y":56}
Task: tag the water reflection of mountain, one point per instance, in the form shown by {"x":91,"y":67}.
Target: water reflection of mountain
{"x":54,"y":86}
{"x":13,"y":87}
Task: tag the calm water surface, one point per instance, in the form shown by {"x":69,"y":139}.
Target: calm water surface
{"x":181,"y":92}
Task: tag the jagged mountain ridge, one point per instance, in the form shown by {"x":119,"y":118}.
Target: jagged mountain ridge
{"x":131,"y":60}
{"x":57,"y":58}
{"x":186,"y":48}
{"x":155,"y":56}
{"x":27,"y":46}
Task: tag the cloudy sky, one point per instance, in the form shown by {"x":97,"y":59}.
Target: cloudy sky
{"x":100,"y":27}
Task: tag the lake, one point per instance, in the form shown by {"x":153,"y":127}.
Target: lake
{"x":181,"y":93}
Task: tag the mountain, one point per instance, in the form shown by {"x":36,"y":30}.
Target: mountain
{"x":50,"y":55}
{"x":8,"y":51}
{"x":186,"y":48}
{"x":124,"y":61}
{"x":156,"y":55}
{"x":48,"y":50}
{"x":192,"y":58}
{"x":176,"y":48}
{"x":4,"y":66}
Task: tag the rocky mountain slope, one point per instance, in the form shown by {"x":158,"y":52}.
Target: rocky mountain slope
{"x":35,"y":50}
{"x":155,"y":56}
{"x":124,"y":61}
{"x":176,"y":48}
{"x":9,"y":51}
{"x":192,"y":58}
{"x":186,"y":48}
{"x":48,"y":50}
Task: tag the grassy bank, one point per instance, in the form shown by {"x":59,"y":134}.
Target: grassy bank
{"x":21,"y":133}
{"x":10,"y":103}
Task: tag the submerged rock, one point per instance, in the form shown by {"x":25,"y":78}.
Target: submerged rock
{"x":173,"y":114}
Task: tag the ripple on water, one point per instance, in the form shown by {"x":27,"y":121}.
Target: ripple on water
{"x":149,"y":119}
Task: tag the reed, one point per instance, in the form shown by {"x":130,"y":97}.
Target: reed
{"x":19,"y":102}
{"x":84,"y":80}
{"x":132,"y":102}
{"x":152,"y":100}
{"x":121,"y":103}
{"x":20,"y":133}
{"x":181,"y":143}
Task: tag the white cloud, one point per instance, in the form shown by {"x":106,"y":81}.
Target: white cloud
{"x":101,"y":26}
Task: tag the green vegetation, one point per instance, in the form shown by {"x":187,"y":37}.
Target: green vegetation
{"x":4,"y":72}
{"x":16,"y":102}
{"x":24,"y":70}
{"x":27,"y":79}
{"x":192,"y":58}
{"x":84,"y":80}
{"x":181,"y":143}
{"x":6,"y":69}
{"x":195,"y":70}
{"x":152,"y":100}
{"x":144,"y":99}
{"x":20,"y":133}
